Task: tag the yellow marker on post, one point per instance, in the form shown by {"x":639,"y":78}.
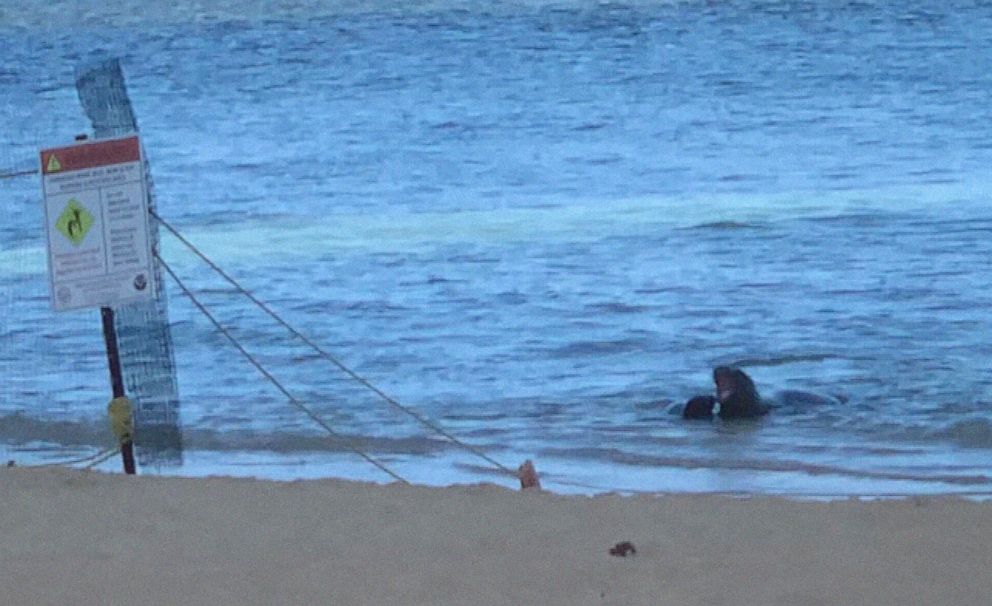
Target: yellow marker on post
{"x":121,"y":415}
{"x":121,"y":419}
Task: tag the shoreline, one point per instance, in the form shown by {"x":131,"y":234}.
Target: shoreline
{"x":559,"y":475}
{"x":87,"y":537}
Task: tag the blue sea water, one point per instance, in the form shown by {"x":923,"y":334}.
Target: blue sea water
{"x":540,"y":225}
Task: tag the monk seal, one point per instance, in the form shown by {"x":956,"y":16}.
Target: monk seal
{"x":699,"y":407}
{"x":736,"y":394}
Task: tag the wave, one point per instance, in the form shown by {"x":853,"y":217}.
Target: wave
{"x":580,"y":349}
{"x":969,"y":432}
{"x":55,"y":13}
{"x":614,"y":455}
{"x":725,"y":226}
{"x":783,"y":360}
{"x":20,"y":430}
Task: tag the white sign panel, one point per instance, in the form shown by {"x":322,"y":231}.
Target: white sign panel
{"x":96,"y":218}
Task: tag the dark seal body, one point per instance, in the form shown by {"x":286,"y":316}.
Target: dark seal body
{"x":699,"y":407}
{"x":737,"y":394}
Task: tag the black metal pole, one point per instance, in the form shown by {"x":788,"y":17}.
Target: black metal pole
{"x":116,"y":378}
{"x":114,"y":363}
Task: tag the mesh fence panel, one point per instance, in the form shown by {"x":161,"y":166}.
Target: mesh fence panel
{"x":144,"y":339}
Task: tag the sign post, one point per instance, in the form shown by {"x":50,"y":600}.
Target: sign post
{"x":124,"y":435}
{"x":99,"y":250}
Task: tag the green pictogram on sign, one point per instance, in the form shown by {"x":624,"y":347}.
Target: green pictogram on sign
{"x":74,"y":222}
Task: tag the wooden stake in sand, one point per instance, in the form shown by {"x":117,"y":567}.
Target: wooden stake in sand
{"x":528,"y":476}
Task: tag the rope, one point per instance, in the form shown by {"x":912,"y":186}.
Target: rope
{"x":98,"y":460}
{"x":313,"y":416}
{"x":93,"y":459}
{"x":309,"y":342}
{"x":327,"y":356}
{"x":20,"y":173}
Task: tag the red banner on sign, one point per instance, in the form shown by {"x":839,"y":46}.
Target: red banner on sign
{"x":90,"y":154}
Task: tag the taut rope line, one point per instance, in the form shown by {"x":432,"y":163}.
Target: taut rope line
{"x":18,"y":173}
{"x":313,"y":416}
{"x":90,"y":460}
{"x":309,"y":342}
{"x":327,"y":356}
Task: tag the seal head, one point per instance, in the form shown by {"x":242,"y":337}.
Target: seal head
{"x":737,"y":394}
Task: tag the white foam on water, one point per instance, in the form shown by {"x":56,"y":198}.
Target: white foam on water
{"x":290,"y":238}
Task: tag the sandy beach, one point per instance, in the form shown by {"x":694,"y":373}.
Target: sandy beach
{"x":74,"y":537}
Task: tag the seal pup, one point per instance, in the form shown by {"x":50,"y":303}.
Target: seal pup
{"x":699,"y":407}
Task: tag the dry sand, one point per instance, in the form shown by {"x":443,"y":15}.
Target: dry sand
{"x":81,"y":538}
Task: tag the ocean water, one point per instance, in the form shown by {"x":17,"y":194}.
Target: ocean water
{"x":540,"y":225}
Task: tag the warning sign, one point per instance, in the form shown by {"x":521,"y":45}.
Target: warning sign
{"x":96,"y":218}
{"x":53,"y":165}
